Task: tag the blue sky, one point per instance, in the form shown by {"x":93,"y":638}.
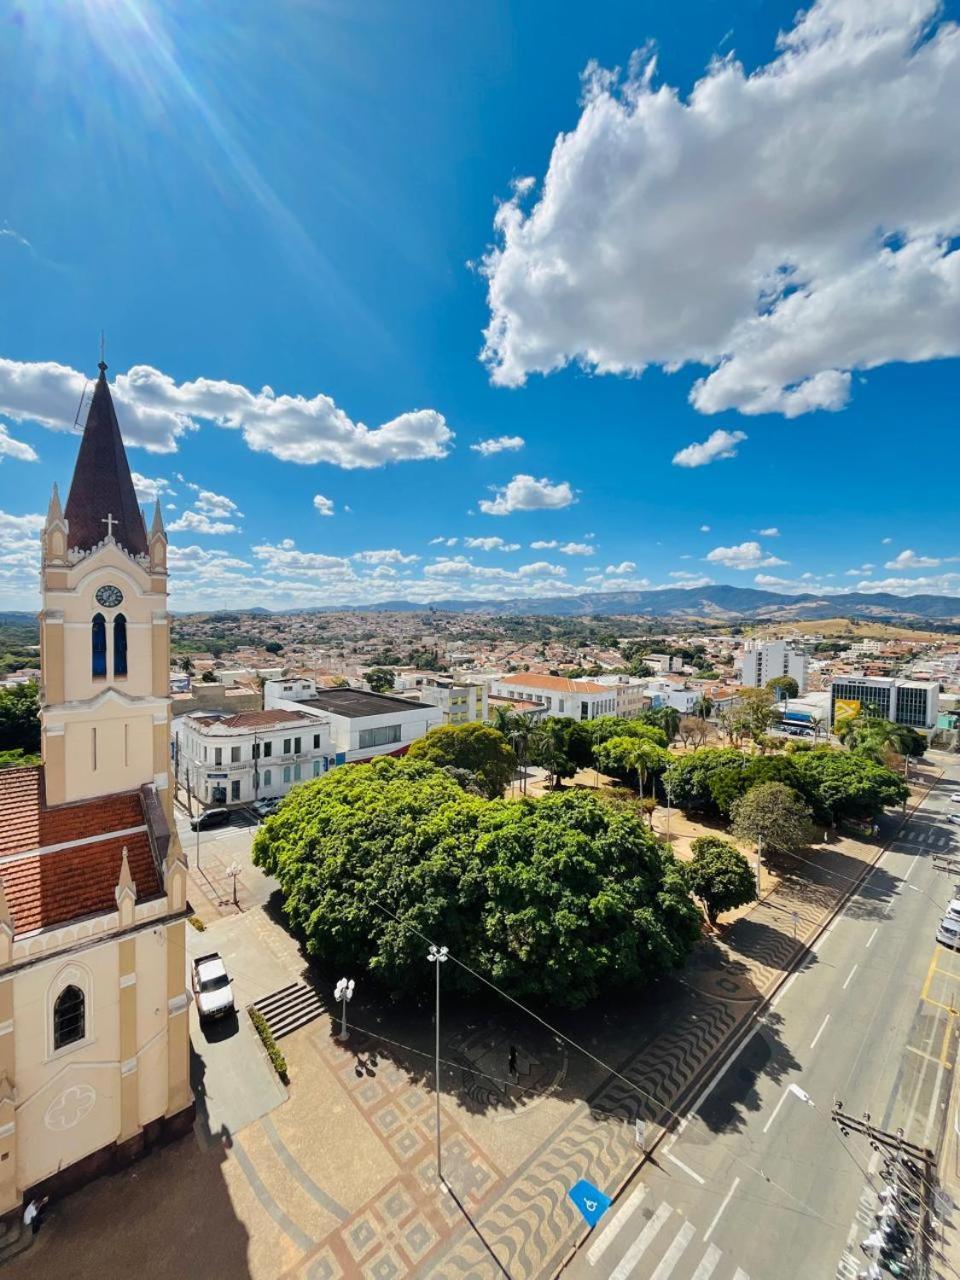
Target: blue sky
{"x":366,"y":209}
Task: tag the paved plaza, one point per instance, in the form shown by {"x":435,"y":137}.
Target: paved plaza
{"x":336,"y":1176}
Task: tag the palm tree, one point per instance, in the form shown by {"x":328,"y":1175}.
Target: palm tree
{"x":548,"y":741}
{"x":816,"y":724}
{"x":643,"y":757}
{"x":502,"y":720}
{"x":521,"y":732}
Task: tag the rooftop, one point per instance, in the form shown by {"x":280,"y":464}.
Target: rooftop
{"x":63,"y":863}
{"x":247,"y":721}
{"x":558,"y":684}
{"x":355,"y":704}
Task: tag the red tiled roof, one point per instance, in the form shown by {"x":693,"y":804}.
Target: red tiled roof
{"x":51,"y":888}
{"x":251,"y":719}
{"x":559,"y":684}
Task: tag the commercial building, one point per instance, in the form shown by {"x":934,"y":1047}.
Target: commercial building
{"x":581,"y":699}
{"x":254,"y":755}
{"x":765,"y":660}
{"x":663,"y":663}
{"x":460,"y":701}
{"x":94,"y":1042}
{"x":361,"y":725}
{"x":911,"y":702}
{"x":630,"y":693}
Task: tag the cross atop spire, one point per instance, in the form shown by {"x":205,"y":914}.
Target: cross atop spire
{"x":102,"y":491}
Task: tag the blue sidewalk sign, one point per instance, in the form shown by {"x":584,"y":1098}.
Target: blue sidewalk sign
{"x":590,"y":1200}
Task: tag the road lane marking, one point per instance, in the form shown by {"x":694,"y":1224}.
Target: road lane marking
{"x":716,"y":1217}
{"x":849,"y":976}
{"x":910,"y":868}
{"x":740,"y":1274}
{"x":616,"y":1223}
{"x":641,"y":1244}
{"x":783,"y":1098}
{"x":685,"y":1167}
{"x":873,"y":935}
{"x":813,"y":1042}
{"x":708,"y":1264}
{"x":711,"y":1084}
{"x":672,"y":1256}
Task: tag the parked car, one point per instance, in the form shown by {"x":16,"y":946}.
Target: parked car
{"x":954,"y":817}
{"x":949,"y":933}
{"x":211,"y":986}
{"x":953,"y":910}
{"x":956,"y":797}
{"x":210,"y":818}
{"x":264,"y":808}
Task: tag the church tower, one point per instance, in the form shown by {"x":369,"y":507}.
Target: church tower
{"x":105,"y":630}
{"x":94,"y":1059}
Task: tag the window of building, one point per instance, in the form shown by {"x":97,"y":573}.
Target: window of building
{"x":296,"y":773}
{"x":234,"y":755}
{"x":268,"y":748}
{"x":584,"y":711}
{"x":317,"y":764}
{"x":286,"y":773}
{"x":267,"y":777}
{"x":380,"y":737}
{"x":69,"y":1018}
{"x":297,"y":746}
{"x":235,"y":789}
{"x":286,"y":746}
{"x":316,"y":741}
{"x":255,"y":751}
{"x":99,"y":640}
{"x":93,"y":750}
{"x":119,"y":645}
{"x":218,"y":755}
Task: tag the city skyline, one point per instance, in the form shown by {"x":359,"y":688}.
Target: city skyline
{"x":364,"y":346}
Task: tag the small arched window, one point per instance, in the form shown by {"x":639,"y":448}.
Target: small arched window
{"x":119,"y":645}
{"x":69,"y":1021}
{"x":99,"y":636}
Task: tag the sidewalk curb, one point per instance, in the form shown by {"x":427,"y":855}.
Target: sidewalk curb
{"x":728,"y":1050}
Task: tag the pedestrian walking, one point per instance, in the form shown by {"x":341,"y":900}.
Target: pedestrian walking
{"x":33,"y":1213}
{"x":512,"y":1064}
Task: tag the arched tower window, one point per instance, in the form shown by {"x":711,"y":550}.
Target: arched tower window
{"x":119,"y":645}
{"x":69,"y":1021}
{"x":99,"y":630}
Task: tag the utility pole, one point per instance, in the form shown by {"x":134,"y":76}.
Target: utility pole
{"x":437,"y":956}
{"x":759,"y":860}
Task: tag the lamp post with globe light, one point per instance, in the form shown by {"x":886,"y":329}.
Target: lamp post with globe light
{"x":437,"y":956}
{"x":343,"y":992}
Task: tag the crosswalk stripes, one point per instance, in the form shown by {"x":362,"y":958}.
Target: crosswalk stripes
{"x":662,"y":1250}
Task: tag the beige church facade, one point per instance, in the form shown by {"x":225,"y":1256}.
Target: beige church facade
{"x":94,"y":1041}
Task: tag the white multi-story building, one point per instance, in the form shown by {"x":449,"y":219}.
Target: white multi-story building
{"x":663,"y":662}
{"x":460,"y":701}
{"x":361,"y":725}
{"x":581,"y":699}
{"x":252,"y":755}
{"x":664,"y":693}
{"x":911,"y":702}
{"x":765,"y":660}
{"x":630,"y":692}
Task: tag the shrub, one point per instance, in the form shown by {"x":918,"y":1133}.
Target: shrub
{"x":273,"y":1052}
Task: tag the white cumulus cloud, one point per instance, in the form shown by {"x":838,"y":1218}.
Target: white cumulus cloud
{"x":576,"y":549}
{"x":524,"y":493}
{"x":747,"y":555}
{"x":910,"y":560}
{"x":490,"y":544}
{"x":323,"y":506}
{"x":719,"y":444}
{"x":500,"y":444}
{"x":198,"y":522}
{"x":827,"y":243}
{"x":155,"y":411}
{"x":11,"y":448}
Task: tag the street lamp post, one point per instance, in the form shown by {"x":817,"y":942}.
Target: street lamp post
{"x":234,"y":870}
{"x":759,"y":860}
{"x":437,"y":956}
{"x":343,"y":992}
{"x":666,"y":788}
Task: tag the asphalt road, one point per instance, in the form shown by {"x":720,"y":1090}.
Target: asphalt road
{"x":757,"y":1183}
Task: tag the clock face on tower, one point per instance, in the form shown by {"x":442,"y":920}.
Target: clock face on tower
{"x":109,"y":596}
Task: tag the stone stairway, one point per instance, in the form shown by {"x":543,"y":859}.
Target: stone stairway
{"x":289,"y":1008}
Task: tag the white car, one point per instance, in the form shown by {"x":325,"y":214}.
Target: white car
{"x":956,"y":797}
{"x":954,"y":817}
{"x":953,"y":910}
{"x":211,"y":986}
{"x":949,"y":933}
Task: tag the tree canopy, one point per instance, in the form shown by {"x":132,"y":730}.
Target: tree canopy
{"x":720,"y":876}
{"x":20,"y":717}
{"x":783,"y":687}
{"x":380,"y":679}
{"x":476,"y":747}
{"x":553,"y":899}
{"x":773,"y":813}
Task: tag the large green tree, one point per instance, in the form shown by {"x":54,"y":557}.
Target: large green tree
{"x":632,"y":760}
{"x":555,"y":899}
{"x":476,"y":747}
{"x":773,"y":813}
{"x":720,"y":876}
{"x":783,"y":687}
{"x":842,"y":785}
{"x":380,"y":679}
{"x":20,"y":717}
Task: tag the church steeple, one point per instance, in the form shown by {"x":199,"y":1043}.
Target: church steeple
{"x":102,"y":498}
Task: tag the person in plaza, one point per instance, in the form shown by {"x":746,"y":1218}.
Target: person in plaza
{"x":33,"y":1213}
